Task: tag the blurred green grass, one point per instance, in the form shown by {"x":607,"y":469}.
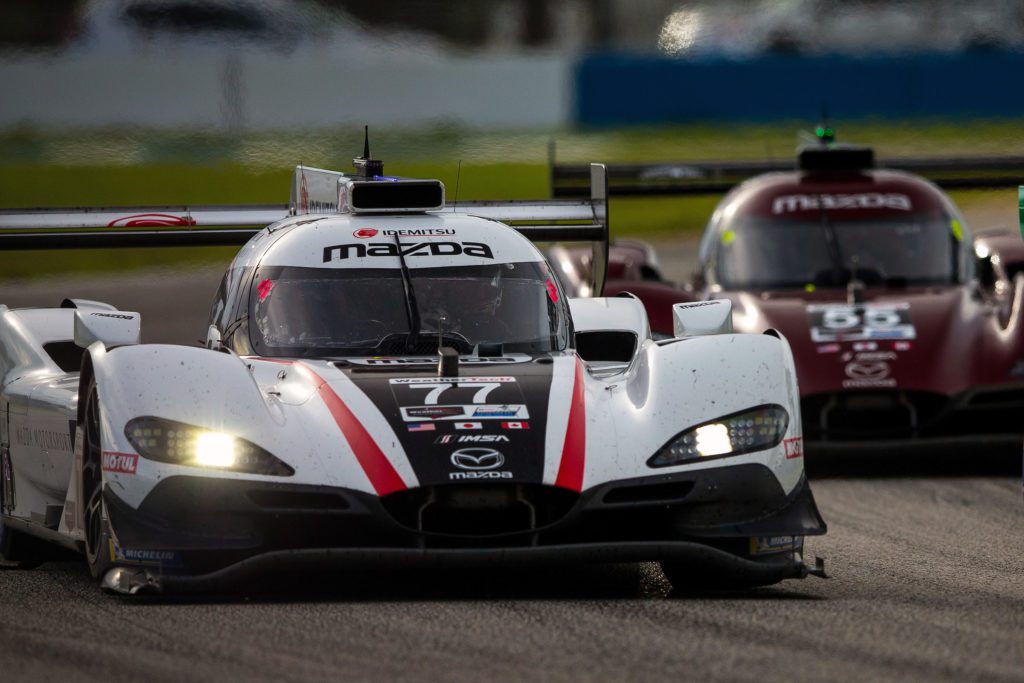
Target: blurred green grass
{"x":129,"y":167}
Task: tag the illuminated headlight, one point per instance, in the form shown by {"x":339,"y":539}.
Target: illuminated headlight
{"x":181,"y":444}
{"x":752,"y":430}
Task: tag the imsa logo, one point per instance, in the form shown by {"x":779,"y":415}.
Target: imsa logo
{"x":341,"y":252}
{"x":472,"y":438}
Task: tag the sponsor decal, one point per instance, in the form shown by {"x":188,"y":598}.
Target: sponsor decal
{"x":477,"y":459}
{"x":341,"y":252}
{"x":865,"y":322}
{"x":876,"y":356}
{"x":152,"y":220}
{"x":793,"y":447}
{"x":864,"y":200}
{"x":764,"y":545}
{"x":119,"y":316}
{"x":422,"y":427}
{"x":420,"y":232}
{"x":480,"y":475}
{"x":901,"y":346}
{"x":121,"y":463}
{"x":472,"y":438}
{"x":365,"y":233}
{"x":699,"y":304}
{"x":160,"y":558}
{"x":457,"y":412}
{"x":264,"y":289}
{"x":43,"y":439}
{"x":515,"y":425}
{"x":865,"y":346}
{"x":430,"y":389}
{"x":469,"y":425}
{"x":432,"y":412}
{"x":829,"y":348}
{"x":499,"y":411}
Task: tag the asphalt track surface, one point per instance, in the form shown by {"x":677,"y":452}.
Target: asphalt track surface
{"x":927,"y":583}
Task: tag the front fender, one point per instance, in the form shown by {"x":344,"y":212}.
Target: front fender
{"x":208,"y":389}
{"x":684,"y":383}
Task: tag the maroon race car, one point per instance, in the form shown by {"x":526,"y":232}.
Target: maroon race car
{"x":904,"y":327}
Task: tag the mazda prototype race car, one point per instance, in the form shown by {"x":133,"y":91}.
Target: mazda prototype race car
{"x":389,"y":382}
{"x":906,"y":329}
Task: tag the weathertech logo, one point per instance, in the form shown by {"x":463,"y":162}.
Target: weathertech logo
{"x":866,"y":200}
{"x":121,"y":463}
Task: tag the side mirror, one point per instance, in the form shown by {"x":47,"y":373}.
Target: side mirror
{"x":113,"y":328}
{"x":213,"y":339}
{"x":702,"y":318}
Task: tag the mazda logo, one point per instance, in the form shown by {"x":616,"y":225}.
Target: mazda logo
{"x":879,"y":370}
{"x":477,"y":459}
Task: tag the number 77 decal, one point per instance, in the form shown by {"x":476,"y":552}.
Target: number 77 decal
{"x":437,"y":388}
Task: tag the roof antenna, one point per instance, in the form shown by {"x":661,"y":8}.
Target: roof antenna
{"x":366,"y":166}
{"x":458,"y":179}
{"x":825,"y":133}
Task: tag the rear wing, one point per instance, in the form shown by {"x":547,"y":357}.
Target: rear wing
{"x":718,"y":177}
{"x":314,"y":192}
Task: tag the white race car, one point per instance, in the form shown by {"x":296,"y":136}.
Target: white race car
{"x":387,"y":381}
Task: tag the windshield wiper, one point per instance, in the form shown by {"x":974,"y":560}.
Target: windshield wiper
{"x":831,"y":241}
{"x":411,"y":310}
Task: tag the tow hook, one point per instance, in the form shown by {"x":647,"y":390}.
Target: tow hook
{"x":128,"y":581}
{"x":818,"y":569}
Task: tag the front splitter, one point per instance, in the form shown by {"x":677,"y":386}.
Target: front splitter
{"x":131,"y":580}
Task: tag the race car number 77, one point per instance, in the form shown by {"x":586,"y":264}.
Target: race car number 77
{"x":438,"y":388}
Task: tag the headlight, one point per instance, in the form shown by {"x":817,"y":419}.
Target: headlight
{"x":181,"y":444}
{"x":752,"y":430}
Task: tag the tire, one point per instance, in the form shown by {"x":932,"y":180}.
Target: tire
{"x":687,"y":578}
{"x":97,"y":530}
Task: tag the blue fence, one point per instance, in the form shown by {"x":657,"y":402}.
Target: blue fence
{"x":615,"y":89}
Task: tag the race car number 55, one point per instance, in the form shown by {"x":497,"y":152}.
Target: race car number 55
{"x":833,"y":322}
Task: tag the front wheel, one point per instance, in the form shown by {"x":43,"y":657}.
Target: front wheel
{"x":97,"y":533}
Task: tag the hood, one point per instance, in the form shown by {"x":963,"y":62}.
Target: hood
{"x":489,"y":423}
{"x":918,"y":340}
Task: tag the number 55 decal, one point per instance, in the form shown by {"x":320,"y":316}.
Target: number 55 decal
{"x":832,"y":322}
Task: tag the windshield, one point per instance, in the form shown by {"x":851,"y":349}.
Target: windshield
{"x":771,"y":253}
{"x":349,"y":312}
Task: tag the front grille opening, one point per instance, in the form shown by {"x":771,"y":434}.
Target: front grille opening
{"x":480,"y":510}
{"x":298,"y":501}
{"x":998,"y":397}
{"x":670,"y":492}
{"x":870,"y":414}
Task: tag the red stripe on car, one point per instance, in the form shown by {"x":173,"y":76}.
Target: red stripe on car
{"x":378,"y":468}
{"x":570,"y":470}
